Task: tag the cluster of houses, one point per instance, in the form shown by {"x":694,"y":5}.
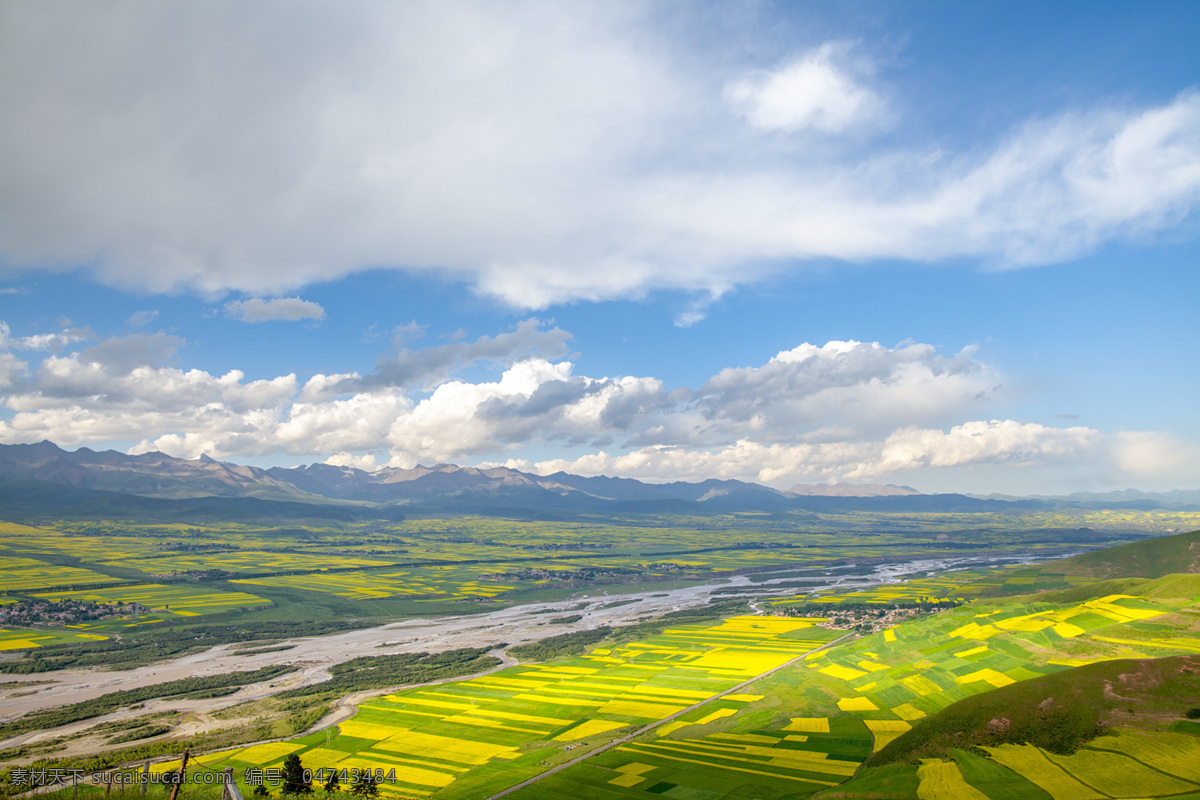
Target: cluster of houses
{"x":65,"y":612}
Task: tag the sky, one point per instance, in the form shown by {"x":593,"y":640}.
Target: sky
{"x":946,"y":245}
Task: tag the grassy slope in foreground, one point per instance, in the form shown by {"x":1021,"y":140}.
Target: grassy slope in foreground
{"x":1149,"y":558}
{"x":1058,"y":713}
{"x":1111,"y":729}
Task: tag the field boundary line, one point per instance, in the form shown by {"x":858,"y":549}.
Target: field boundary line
{"x":647,"y":728}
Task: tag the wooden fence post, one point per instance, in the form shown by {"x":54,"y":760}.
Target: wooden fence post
{"x":182,"y":774}
{"x":231,"y":790}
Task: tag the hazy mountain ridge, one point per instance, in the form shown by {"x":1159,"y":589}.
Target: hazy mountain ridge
{"x":491,"y":489}
{"x":851,"y":490}
{"x":1176,"y":499}
{"x":152,"y":474}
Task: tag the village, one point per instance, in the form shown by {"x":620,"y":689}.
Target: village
{"x":64,"y":612}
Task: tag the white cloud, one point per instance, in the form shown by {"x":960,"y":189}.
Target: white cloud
{"x":324,"y":387}
{"x":972,"y":444}
{"x":357,"y":423}
{"x":542,"y":152}
{"x":1156,"y":456}
{"x":1006,"y":441}
{"x":814,"y":91}
{"x":846,"y":390}
{"x":140,"y":319}
{"x":41,"y":341}
{"x":290,"y":309}
{"x":12,"y":370}
{"x":367,"y":462}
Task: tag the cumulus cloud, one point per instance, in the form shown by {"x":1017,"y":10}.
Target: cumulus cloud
{"x":544,"y":153}
{"x":12,"y":370}
{"x":842,"y":411}
{"x":846,"y":390}
{"x":815,"y":91}
{"x":971,"y":444}
{"x":289,"y":309}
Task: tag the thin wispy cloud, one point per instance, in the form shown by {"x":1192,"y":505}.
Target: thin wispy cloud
{"x":140,"y":319}
{"x":285,"y":309}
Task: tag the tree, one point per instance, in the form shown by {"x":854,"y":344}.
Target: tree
{"x":365,"y":785}
{"x":332,"y":784}
{"x":295,"y":779}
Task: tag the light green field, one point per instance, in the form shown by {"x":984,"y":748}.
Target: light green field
{"x":1129,"y":763}
{"x":18,"y":574}
{"x":185,"y":600}
{"x":28,"y":638}
{"x":243,"y":561}
{"x":960,"y":586}
{"x":423,"y":583}
{"x":91,"y":549}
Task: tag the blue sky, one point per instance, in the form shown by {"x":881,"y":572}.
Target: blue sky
{"x":948,"y":245}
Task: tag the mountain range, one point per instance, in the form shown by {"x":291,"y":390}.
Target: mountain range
{"x":480,"y":490}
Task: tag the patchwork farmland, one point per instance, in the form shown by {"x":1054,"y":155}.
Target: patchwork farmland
{"x":423,"y":583}
{"x":475,"y":737}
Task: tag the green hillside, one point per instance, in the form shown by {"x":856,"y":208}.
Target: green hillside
{"x":1149,"y":558}
{"x":1120,"y":568}
{"x":1057,"y":712}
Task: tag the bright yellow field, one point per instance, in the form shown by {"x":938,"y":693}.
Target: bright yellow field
{"x":1030,"y":762}
{"x":942,"y":780}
